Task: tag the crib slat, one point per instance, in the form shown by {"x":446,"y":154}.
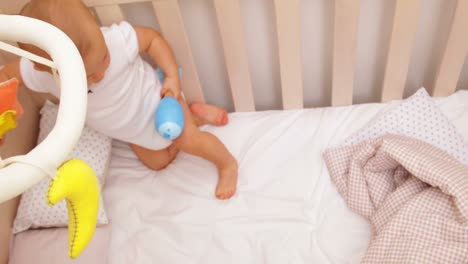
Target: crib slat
{"x":404,"y":29}
{"x":344,"y":50}
{"x":109,"y":14}
{"x":454,"y":54}
{"x":172,"y":26}
{"x":289,"y":43}
{"x":235,"y":53}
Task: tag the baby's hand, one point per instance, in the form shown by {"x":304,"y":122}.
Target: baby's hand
{"x":171,"y":84}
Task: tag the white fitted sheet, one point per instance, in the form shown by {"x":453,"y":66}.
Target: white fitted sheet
{"x":286,"y":209}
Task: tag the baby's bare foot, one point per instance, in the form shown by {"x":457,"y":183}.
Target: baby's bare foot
{"x":227,"y":182}
{"x":209,"y":114}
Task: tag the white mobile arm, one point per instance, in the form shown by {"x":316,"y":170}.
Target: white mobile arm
{"x":49,"y":155}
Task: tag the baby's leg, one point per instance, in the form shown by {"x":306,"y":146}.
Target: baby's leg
{"x":155,"y":159}
{"x":207,"y":146}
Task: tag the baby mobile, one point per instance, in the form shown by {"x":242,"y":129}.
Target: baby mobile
{"x":72,"y":180}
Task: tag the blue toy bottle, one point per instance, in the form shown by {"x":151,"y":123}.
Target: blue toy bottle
{"x":169,"y":117}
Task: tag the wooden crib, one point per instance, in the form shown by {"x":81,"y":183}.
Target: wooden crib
{"x":239,"y":68}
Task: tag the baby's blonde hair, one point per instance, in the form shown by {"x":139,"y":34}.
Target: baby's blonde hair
{"x":70,"y":16}
{"x":74,"y":19}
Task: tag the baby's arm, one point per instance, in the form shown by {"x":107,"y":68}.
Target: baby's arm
{"x":152,"y":43}
{"x":11,"y":70}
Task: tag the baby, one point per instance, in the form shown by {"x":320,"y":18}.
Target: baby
{"x":124,"y":90}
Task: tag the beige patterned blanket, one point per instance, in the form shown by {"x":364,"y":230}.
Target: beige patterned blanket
{"x":415,"y":196}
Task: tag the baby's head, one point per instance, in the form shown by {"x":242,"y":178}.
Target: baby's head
{"x":73,"y":18}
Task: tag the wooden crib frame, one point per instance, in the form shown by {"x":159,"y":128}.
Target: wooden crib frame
{"x":289,"y":47}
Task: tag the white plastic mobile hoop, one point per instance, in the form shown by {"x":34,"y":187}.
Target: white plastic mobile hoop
{"x":43,"y":160}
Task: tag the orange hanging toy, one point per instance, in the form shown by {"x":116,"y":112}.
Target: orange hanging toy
{"x":10,"y":108}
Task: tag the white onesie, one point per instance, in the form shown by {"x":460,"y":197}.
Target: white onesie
{"x":123,"y":104}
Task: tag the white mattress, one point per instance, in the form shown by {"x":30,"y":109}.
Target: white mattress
{"x":286,"y":210}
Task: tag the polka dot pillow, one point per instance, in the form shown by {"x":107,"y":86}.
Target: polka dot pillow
{"x":93,"y":147}
{"x":419,"y":117}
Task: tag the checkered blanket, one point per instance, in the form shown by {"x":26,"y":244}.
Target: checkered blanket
{"x":414,"y":194}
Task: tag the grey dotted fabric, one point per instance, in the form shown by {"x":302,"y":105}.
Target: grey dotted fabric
{"x":93,"y":147}
{"x":417,"y":117}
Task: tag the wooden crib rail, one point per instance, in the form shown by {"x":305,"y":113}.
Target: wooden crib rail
{"x":288,"y":25}
{"x":405,"y":23}
{"x":455,"y":53}
{"x":235,"y":53}
{"x":344,"y":51}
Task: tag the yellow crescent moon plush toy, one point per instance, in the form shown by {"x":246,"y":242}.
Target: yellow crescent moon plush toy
{"x":75,"y":181}
{"x":77,"y":184}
